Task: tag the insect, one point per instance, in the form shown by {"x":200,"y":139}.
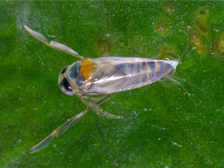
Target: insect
{"x":96,"y":80}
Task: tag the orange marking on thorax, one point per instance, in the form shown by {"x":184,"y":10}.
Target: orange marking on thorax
{"x":87,"y":68}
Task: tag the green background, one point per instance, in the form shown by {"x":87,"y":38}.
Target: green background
{"x":166,"y":124}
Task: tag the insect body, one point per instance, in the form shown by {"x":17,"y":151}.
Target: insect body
{"x":107,"y":75}
{"x":101,"y":76}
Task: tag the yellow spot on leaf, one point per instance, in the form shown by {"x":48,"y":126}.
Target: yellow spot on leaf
{"x":162,"y":26}
{"x":104,"y":47}
{"x":169,"y":9}
{"x":202,"y":13}
{"x":197,"y":41}
{"x":220,"y":44}
{"x":202,"y":27}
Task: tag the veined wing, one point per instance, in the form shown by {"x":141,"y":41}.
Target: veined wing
{"x":115,"y":74}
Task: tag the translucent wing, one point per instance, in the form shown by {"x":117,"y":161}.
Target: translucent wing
{"x":115,"y":74}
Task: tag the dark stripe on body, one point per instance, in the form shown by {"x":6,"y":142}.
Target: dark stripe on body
{"x":74,"y":70}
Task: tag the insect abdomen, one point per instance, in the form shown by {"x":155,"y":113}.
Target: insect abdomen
{"x":143,"y":73}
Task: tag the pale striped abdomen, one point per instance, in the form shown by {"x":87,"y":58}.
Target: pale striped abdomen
{"x":114,"y":74}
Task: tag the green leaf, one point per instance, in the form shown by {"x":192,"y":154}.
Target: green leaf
{"x":176,"y":122}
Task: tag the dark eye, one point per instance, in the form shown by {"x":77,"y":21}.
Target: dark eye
{"x":63,"y":70}
{"x":66,"y":87}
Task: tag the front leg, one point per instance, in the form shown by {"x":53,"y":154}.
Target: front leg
{"x":53,"y":44}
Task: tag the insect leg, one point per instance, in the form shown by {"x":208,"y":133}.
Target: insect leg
{"x":64,"y":127}
{"x":97,"y":109}
{"x":60,"y":130}
{"x":53,"y":44}
{"x":92,"y":98}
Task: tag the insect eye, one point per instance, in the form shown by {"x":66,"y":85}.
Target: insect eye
{"x":63,"y":70}
{"x":66,"y":87}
